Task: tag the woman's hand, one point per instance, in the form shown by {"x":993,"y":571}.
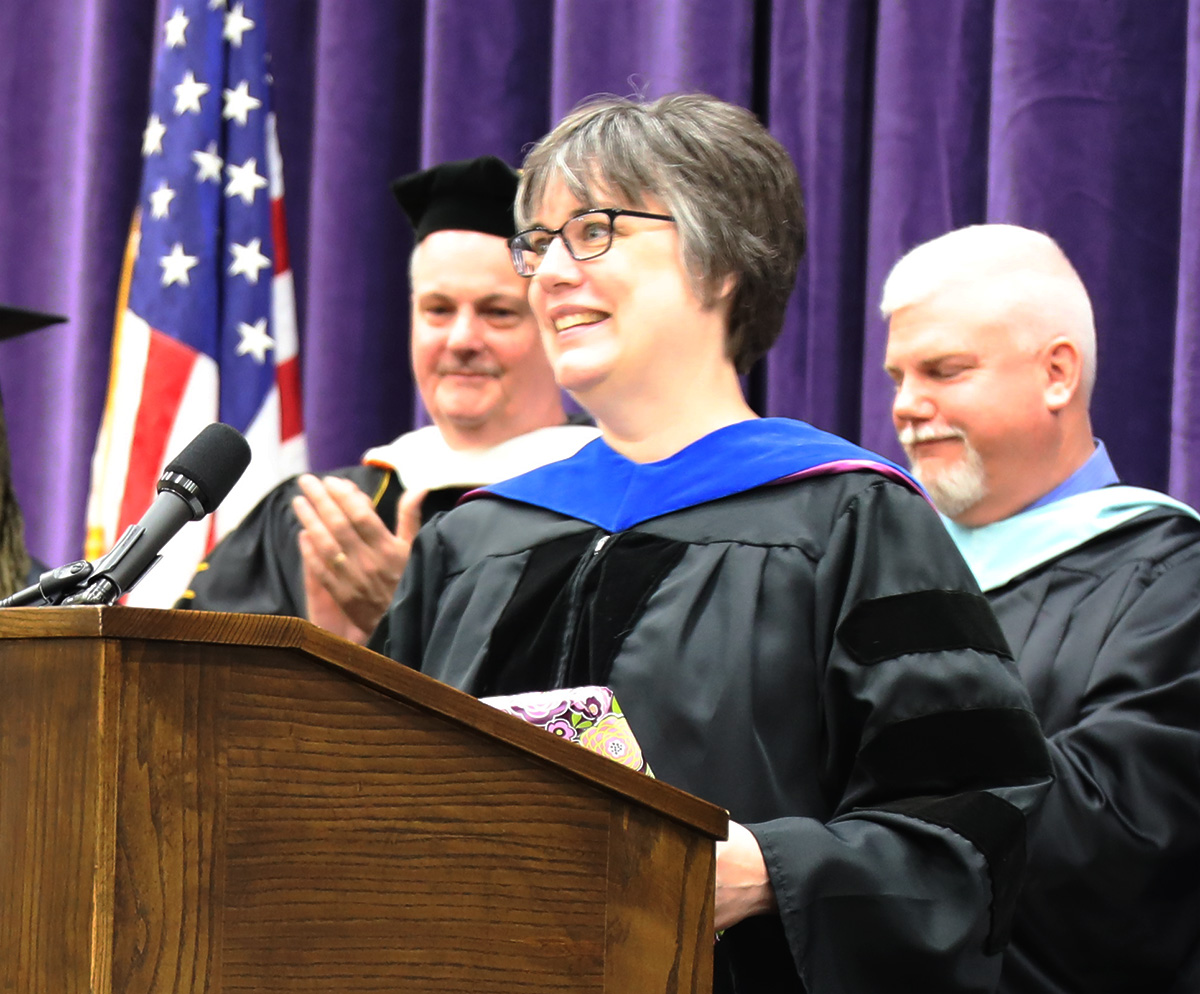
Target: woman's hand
{"x":743,"y":887}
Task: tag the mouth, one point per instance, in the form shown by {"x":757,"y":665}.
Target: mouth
{"x":577,"y":319}
{"x":930,"y":449}
{"x":917,"y":444}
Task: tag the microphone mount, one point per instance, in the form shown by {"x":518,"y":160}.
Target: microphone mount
{"x":53,"y":586}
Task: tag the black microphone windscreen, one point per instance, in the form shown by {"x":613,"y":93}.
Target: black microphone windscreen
{"x":214,"y":460}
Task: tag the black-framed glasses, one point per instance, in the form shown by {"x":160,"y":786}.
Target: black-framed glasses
{"x":585,"y":236}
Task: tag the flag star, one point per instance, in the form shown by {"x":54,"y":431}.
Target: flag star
{"x":244,"y":181}
{"x":236,"y":25}
{"x":176,"y":26}
{"x":160,"y":200}
{"x":239,"y":103}
{"x":216,"y":5}
{"x":209,"y":164}
{"x":255,"y":340}
{"x":248,"y":260}
{"x":176,"y":266}
{"x":153,"y":135}
{"x":188,"y":94}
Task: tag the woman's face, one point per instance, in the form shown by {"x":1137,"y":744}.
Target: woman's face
{"x":618,"y":324}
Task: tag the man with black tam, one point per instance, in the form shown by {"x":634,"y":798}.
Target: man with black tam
{"x":17,"y":568}
{"x":326,"y":548}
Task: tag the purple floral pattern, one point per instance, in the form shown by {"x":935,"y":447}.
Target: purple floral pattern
{"x":588,"y":716}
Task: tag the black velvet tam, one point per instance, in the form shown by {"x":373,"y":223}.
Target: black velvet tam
{"x":470,"y":195}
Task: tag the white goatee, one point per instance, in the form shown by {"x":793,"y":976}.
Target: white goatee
{"x":957,"y":488}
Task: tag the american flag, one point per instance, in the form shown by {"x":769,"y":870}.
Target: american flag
{"x":206,"y":322}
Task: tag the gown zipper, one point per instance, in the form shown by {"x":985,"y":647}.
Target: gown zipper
{"x":574,"y":594}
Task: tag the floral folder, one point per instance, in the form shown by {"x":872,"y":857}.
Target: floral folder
{"x":589,"y":716}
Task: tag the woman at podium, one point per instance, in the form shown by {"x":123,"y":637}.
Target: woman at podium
{"x":780,"y":613}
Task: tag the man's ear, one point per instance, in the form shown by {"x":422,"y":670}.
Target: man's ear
{"x":1062,"y":364}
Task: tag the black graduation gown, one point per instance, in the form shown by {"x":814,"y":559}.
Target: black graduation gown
{"x":256,"y":568}
{"x":1107,"y":639}
{"x":815,"y":657}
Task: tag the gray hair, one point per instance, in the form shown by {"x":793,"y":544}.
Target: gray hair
{"x":1020,"y":274}
{"x":731,"y":187}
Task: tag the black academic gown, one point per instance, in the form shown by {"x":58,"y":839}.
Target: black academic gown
{"x":813,"y":656}
{"x":1107,"y":639}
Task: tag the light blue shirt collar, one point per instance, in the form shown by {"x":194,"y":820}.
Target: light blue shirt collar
{"x":1097,"y":472}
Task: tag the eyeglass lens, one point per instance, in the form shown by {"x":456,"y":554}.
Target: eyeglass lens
{"x":585,"y":237}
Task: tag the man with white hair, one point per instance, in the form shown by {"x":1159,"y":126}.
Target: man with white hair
{"x":992,"y":349}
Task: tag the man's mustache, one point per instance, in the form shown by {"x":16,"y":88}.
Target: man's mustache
{"x":481,"y":368}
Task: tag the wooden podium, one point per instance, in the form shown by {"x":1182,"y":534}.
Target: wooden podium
{"x":219,"y":802}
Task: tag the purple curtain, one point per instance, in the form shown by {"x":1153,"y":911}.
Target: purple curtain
{"x":905,"y":120}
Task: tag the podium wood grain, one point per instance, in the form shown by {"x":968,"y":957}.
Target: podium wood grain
{"x":199,"y":802}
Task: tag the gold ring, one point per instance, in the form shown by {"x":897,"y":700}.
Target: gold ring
{"x":338,"y":559}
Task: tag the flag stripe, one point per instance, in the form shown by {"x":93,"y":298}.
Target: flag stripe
{"x":279,"y":233}
{"x":168,"y":368}
{"x":287,"y":375}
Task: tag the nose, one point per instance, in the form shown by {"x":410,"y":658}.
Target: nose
{"x":464,"y":335}
{"x":557,"y":267}
{"x":911,"y":403}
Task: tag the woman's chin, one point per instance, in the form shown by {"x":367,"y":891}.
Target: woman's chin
{"x":578,"y":376}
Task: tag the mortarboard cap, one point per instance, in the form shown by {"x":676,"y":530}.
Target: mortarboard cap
{"x":470,"y":195}
{"x":16,"y":321}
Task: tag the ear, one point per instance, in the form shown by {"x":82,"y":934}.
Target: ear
{"x":1062,"y":364}
{"x":722,"y":300}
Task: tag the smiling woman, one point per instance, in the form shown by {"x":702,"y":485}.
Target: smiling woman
{"x":731,"y":188}
{"x":687,"y":267}
{"x":745,"y":586}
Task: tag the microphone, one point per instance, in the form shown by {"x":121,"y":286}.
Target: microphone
{"x":191,"y":486}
